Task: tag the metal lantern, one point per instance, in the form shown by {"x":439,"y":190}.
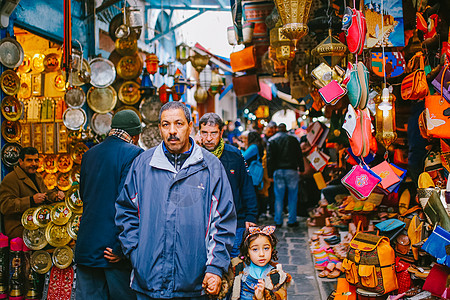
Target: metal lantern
{"x":178,"y":73}
{"x":205,"y":78}
{"x":171,"y":69}
{"x":182,"y":53}
{"x":385,"y":118}
{"x":199,"y":61}
{"x":152,"y":62}
{"x":180,"y":85}
{"x":146,"y":82}
{"x":200,"y":95}
{"x":164,"y":93}
{"x":294,"y":14}
{"x":330,"y":50}
{"x":163,"y":69}
{"x":216,"y":83}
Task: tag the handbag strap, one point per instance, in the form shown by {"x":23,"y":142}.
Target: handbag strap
{"x":411,"y":62}
{"x":441,"y":101}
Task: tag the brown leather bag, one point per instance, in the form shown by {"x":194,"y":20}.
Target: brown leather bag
{"x":243,"y":60}
{"x":246,"y":85}
{"x":415,"y":86}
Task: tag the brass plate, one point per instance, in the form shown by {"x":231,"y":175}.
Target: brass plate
{"x":84,"y":67}
{"x":35,"y":239}
{"x":41,"y":164}
{"x":101,"y":123}
{"x":11,"y":108}
{"x":10,"y":154}
{"x":75,"y":174}
{"x":63,"y":181}
{"x":25,"y":86}
{"x":73,"y":200}
{"x":103,"y":72}
{"x":150,"y":108}
{"x":77,"y":152}
{"x":11,"y":131}
{"x":64,"y":163}
{"x":27,"y":219}
{"x":126,"y":46}
{"x":73,"y":225}
{"x":11,"y":53}
{"x":75,"y":97}
{"x":41,"y":262}
{"x":60,"y":213}
{"x":10,"y":82}
{"x":129,"y":93}
{"x":60,"y":82}
{"x":50,"y":180}
{"x":25,"y":67}
{"x":50,"y":164}
{"x":41,"y":216}
{"x":74,"y":118}
{"x":52,"y":62}
{"x":57,"y":235}
{"x":129,"y":67}
{"x":38,"y":63}
{"x":62,"y":257}
{"x":102,"y":100}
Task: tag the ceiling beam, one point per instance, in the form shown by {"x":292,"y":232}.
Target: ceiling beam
{"x":181,"y":7}
{"x":224,"y":4}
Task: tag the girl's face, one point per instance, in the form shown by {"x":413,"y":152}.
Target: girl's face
{"x":260,"y":251}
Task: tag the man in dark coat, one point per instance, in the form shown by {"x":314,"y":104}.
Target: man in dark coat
{"x":102,"y":271}
{"x":244,"y":196}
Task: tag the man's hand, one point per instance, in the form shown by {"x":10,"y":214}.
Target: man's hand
{"x":212,"y":283}
{"x":248,"y":224}
{"x":60,"y":195}
{"x":39,"y":197}
{"x":259,"y":291}
{"x":109,"y":255}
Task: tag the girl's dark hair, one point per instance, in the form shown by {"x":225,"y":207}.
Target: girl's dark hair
{"x":255,"y":138}
{"x":246,"y":240}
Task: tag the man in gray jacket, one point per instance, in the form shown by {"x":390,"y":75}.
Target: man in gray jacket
{"x":176,"y":215}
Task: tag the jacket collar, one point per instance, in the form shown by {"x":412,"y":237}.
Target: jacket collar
{"x":25,"y":178}
{"x":160,"y":161}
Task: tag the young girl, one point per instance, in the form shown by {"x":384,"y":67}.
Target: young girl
{"x":257,"y":277}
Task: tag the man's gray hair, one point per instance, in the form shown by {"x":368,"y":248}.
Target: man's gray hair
{"x":212,"y":119}
{"x":175,"y":105}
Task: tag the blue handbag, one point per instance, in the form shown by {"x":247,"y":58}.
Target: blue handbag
{"x":438,"y":245}
{"x":256,"y":172}
{"x":390,"y":228}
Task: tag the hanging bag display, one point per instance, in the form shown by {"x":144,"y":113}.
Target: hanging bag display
{"x":415,"y":86}
{"x":243,"y":60}
{"x":360,"y":181}
{"x":332,"y":92}
{"x":438,"y":244}
{"x":443,"y":76}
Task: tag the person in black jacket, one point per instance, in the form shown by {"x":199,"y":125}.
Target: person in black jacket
{"x":211,"y":130}
{"x":284,"y":162}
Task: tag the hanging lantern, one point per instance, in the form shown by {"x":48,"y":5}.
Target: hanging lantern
{"x":180,"y":85}
{"x":284,"y":52}
{"x":163,"y":69}
{"x":171,"y":69}
{"x":385,"y":118}
{"x":146,"y":82}
{"x":200,"y":95}
{"x":178,"y":73}
{"x":182,"y":53}
{"x":330,"y":50}
{"x":294,"y":14}
{"x":152,"y":62}
{"x":216,"y":83}
{"x":199,"y":61}
{"x":205,"y":77}
{"x":164,"y":94}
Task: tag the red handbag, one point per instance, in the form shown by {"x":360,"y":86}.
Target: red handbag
{"x":415,"y":86}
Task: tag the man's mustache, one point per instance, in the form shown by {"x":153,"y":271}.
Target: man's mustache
{"x":173,"y":138}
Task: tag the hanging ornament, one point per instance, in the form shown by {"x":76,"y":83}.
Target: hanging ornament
{"x":171,"y":69}
{"x":205,"y":78}
{"x":385,"y":117}
{"x":200,"y":95}
{"x":199,"y":61}
{"x":216,"y":83}
{"x":284,"y":52}
{"x":182,"y":53}
{"x":330,"y":50}
{"x":164,"y":94}
{"x":152,"y":62}
{"x":163,"y":69}
{"x":180,"y":85}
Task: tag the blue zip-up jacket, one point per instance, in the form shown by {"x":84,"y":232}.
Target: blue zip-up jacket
{"x":176,"y":226}
{"x":241,"y":184}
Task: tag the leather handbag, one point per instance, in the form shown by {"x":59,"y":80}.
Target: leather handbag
{"x":360,"y":181}
{"x":390,"y":228}
{"x":437,"y":244}
{"x":443,"y":76}
{"x":437,"y":112}
{"x":243,"y":60}
{"x":415,"y":86}
{"x":332,"y":92}
{"x":246,"y":85}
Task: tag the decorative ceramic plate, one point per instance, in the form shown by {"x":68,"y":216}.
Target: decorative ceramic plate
{"x":50,"y":164}
{"x":41,"y":216}
{"x":63,"y":181}
{"x":129,"y":67}
{"x":11,"y":131}
{"x":50,"y":180}
{"x":59,"y":82}
{"x":150,"y":108}
{"x":27,"y":219}
{"x":77,"y":152}
{"x":38,"y":63}
{"x":73,"y":225}
{"x":60,"y":213}
{"x":64,"y":163}
{"x":62,"y":257}
{"x":11,"y":53}
{"x":75,"y":174}
{"x":102,"y":100}
{"x":35,"y":239}
{"x":101,"y":123}
{"x":57,"y":235}
{"x":52,"y":62}
{"x":10,"y":82}
{"x":73,"y":200}
{"x":75,"y":97}
{"x":41,"y":262}
{"x":74,"y":118}
{"x":11,"y":108}
{"x":129,"y":93}
{"x":10,"y":154}
{"x":103,"y":72}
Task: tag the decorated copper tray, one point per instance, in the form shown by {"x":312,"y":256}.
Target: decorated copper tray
{"x":129,"y":67}
{"x":85,"y":67}
{"x":60,"y":213}
{"x":103,"y":72}
{"x":50,"y":180}
{"x":27,"y":219}
{"x":75,"y":97}
{"x":75,"y":174}
{"x":38,"y":63}
{"x":10,"y":154}
{"x":10,"y":82}
{"x":62,"y":257}
{"x":25,"y":66}
{"x":150,"y":137}
{"x":41,"y":167}
{"x":150,"y":108}
{"x":41,"y":262}
{"x":63,"y":181}
{"x":74,"y":118}
{"x":11,"y":131}
{"x":77,"y":151}
{"x":59,"y":82}
{"x":73,"y":225}
{"x":11,"y":108}
{"x":102,"y":100}
{"x":41,"y":216}
{"x":35,"y":239}
{"x":50,"y":164}
{"x":73,"y":200}
{"x":57,"y":235}
{"x":25,"y":86}
{"x":126,"y":46}
{"x":64,"y":163}
{"x":129,"y":93}
{"x":11,"y":53}
{"x":51,"y":62}
{"x":101,"y":123}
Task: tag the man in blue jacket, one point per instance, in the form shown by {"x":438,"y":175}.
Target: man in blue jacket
{"x":211,"y":130}
{"x":102,"y":271}
{"x":176,"y":215}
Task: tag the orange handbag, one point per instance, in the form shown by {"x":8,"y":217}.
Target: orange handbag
{"x":243,"y":60}
{"x":415,"y":86}
{"x":437,"y":113}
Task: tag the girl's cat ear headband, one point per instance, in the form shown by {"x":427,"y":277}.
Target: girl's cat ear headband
{"x":267,"y":230}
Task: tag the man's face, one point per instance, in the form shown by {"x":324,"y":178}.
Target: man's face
{"x":30,"y":163}
{"x":270,"y":131}
{"x":210,"y":136}
{"x":175,"y":130}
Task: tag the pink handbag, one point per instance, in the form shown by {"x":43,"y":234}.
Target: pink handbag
{"x":360,"y":181}
{"x":332,"y":92}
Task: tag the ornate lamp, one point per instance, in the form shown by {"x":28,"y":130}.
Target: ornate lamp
{"x":294,"y":14}
{"x":205,"y":78}
{"x":199,"y":61}
{"x":171,"y":69}
{"x":200,"y":95}
{"x":163,"y":69}
{"x":216,"y":83}
{"x":164,"y":93}
{"x":180,"y":85}
{"x":385,"y":118}
{"x":330,"y":50}
{"x":182,"y":53}
{"x":146,"y":82}
{"x":284,"y":52}
{"x":152,"y":62}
